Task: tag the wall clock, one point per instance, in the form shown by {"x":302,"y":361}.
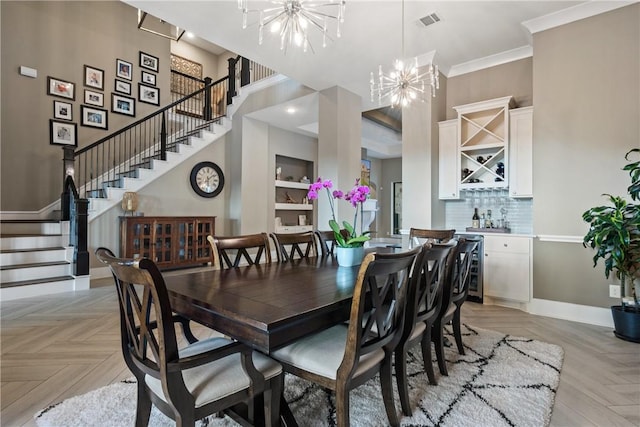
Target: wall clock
{"x":207,"y":179}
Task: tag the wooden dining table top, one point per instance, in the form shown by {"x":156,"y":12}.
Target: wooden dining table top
{"x":266,"y":305}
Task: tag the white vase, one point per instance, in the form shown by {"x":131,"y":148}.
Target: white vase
{"x":348,"y":257}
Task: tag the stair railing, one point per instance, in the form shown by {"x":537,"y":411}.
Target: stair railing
{"x":76,"y":211}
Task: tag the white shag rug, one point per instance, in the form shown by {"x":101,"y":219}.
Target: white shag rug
{"x":501,"y":381}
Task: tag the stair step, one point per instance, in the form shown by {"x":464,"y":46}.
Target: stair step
{"x":30,"y":241}
{"x":10,"y":227}
{"x":37,"y":287}
{"x":34,"y":282}
{"x":34,"y":271}
{"x":32,"y":255}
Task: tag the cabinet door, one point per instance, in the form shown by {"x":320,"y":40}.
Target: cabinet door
{"x":506,"y":275}
{"x":521,"y":152}
{"x":448,"y":156}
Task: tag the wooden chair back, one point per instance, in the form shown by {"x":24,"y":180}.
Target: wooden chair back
{"x":425,"y":293}
{"x":380,"y":292}
{"x":423,"y":235}
{"x":327,"y":241}
{"x":249,"y":248}
{"x":290,"y":246}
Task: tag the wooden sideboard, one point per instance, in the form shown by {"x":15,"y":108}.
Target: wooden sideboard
{"x":170,"y":241}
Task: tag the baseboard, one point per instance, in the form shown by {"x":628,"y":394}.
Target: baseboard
{"x":575,"y":312}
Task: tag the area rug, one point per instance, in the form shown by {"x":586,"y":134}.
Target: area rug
{"x":501,"y":381}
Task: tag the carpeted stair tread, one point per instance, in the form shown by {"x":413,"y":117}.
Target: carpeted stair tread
{"x":35,"y":281}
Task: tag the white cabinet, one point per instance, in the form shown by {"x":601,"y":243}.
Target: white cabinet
{"x":483,"y":135}
{"x":507,"y":267}
{"x":293,"y":213}
{"x":521,"y":152}
{"x":448,"y":173}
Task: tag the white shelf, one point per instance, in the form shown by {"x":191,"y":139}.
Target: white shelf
{"x":294,"y":207}
{"x":294,"y":228}
{"x":292,"y":184}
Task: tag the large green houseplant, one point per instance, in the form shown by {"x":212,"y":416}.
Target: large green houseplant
{"x":614,"y":233}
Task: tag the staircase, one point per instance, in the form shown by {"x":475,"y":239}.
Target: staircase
{"x":35,"y":259}
{"x":35,"y":255}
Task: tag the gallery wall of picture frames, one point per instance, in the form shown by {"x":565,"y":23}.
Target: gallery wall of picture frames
{"x":93,"y":114}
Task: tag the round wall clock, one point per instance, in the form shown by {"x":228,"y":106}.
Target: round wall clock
{"x":207,"y":179}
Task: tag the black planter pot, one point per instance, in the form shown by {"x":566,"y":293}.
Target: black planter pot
{"x":627,"y":323}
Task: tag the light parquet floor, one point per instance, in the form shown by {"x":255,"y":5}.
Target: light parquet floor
{"x":59,"y":346}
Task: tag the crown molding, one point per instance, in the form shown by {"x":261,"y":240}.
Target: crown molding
{"x":572,"y":14}
{"x":490,"y":61}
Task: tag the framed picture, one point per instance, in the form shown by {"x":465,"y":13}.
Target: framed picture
{"x":122,"y":87}
{"x":148,"y":94}
{"x":149,"y":62}
{"x":123,"y":105}
{"x":124,"y":69}
{"x":93,"y":98}
{"x":63,"y":133}
{"x":61,"y":88}
{"x":62,"y":110}
{"x":148,"y":78}
{"x":93,"y":117}
{"x":93,"y":77}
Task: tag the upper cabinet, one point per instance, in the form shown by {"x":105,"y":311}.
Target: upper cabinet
{"x":483,"y":143}
{"x":521,"y":152}
{"x":487,"y":146}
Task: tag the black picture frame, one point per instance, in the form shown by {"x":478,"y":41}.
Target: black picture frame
{"x":62,"y":110}
{"x":124,"y":69}
{"x":63,"y":133}
{"x":122,"y":87}
{"x":149,"y":62}
{"x":94,"y":117}
{"x":91,"y":97}
{"x":148,"y":78}
{"x":148,"y":94}
{"x":123,"y":105}
{"x":93,"y":77}
{"x":61,"y":88}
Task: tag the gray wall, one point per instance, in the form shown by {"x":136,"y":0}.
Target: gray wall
{"x":586,"y":80}
{"x":58,"y":39}
{"x":513,"y":78}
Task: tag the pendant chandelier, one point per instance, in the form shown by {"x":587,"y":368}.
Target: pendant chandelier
{"x":405,"y":82}
{"x":293,"y":20}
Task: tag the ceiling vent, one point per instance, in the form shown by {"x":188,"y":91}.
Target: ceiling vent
{"x":430,"y":19}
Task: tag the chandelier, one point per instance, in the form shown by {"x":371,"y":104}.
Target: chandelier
{"x":293,"y":19}
{"x":405,"y":82}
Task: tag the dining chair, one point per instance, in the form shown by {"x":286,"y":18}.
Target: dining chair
{"x":423,"y":235}
{"x":454,"y":292}
{"x":346,"y":356}
{"x":203,"y":378}
{"x":291,"y":246}
{"x":424,"y":297}
{"x":327,"y":240}
{"x":223,"y":248}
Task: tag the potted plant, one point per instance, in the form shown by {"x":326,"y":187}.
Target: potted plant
{"x":350,"y":244}
{"x":614,"y":232}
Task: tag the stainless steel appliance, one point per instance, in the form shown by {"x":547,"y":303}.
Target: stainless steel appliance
{"x":475,"y":286}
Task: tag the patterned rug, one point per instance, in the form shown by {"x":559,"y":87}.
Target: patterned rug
{"x":501,"y":381}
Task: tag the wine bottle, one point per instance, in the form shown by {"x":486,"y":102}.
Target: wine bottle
{"x":475,"y":219}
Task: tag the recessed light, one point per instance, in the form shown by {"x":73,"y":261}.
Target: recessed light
{"x":190,"y":34}
{"x":291,"y":110}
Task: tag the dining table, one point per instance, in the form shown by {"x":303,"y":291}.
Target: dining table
{"x":266,"y":306}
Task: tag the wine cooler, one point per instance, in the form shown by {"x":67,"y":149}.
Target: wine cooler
{"x":475,"y":285}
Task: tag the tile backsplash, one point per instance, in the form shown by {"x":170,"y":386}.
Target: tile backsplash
{"x":519,"y":212}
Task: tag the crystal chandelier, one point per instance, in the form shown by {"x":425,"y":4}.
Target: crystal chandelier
{"x":292,"y":19}
{"x":405,"y":82}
